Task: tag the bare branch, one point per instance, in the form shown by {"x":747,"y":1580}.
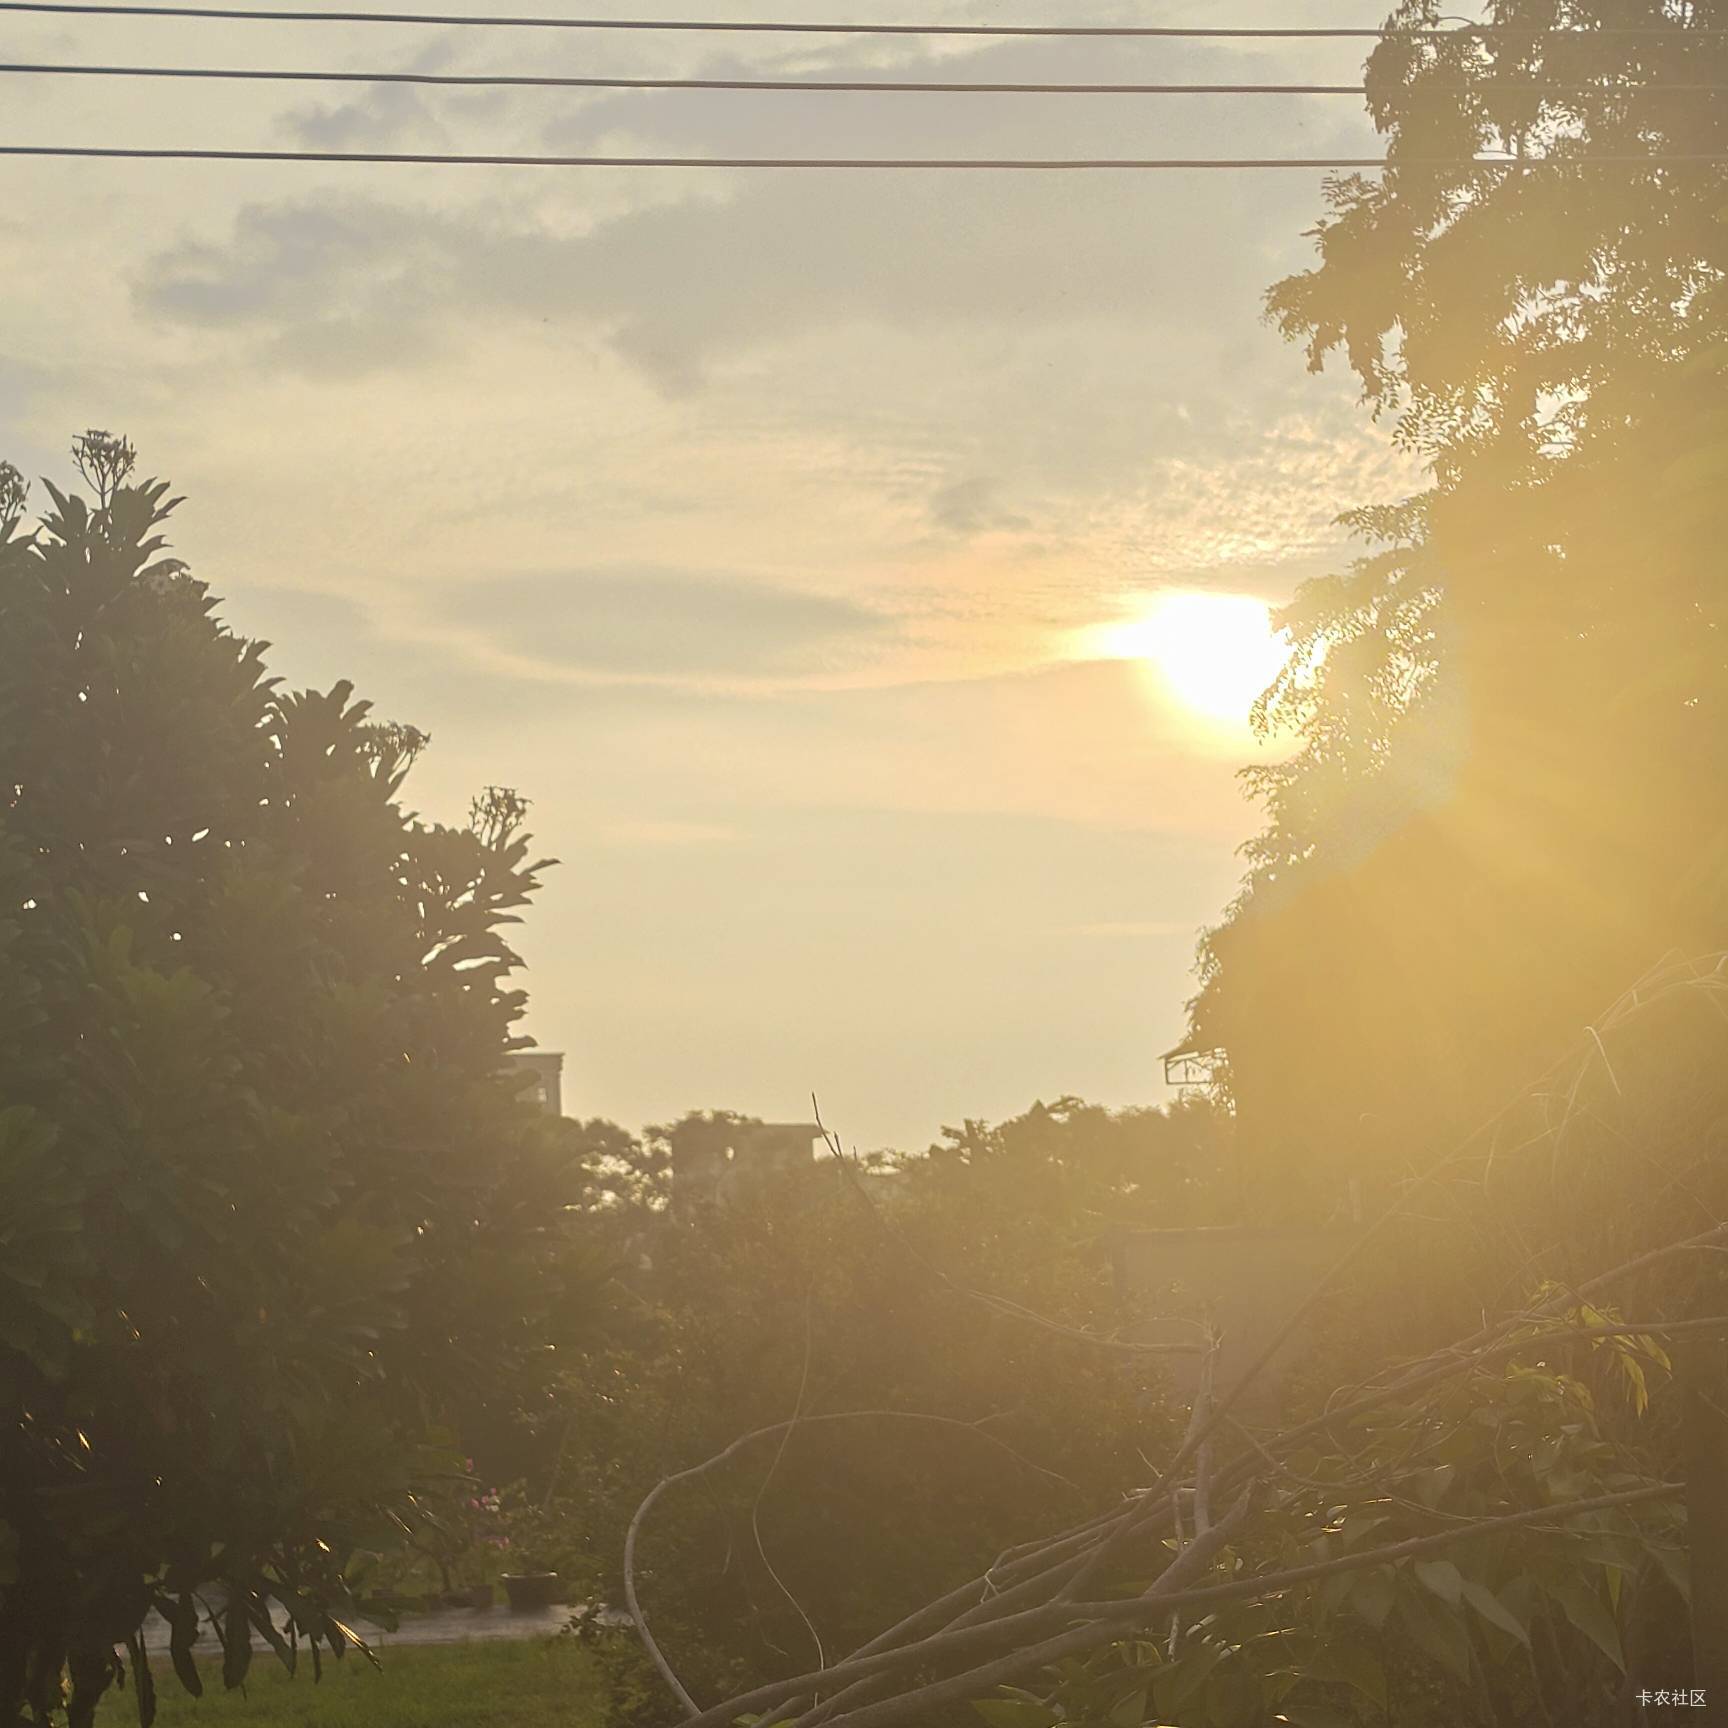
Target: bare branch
{"x":773,"y":1470}
{"x":632,"y":1601}
{"x":1107,"y":1620}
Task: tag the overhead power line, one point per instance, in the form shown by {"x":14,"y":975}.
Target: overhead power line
{"x":95,"y":8}
{"x":776,"y":84}
{"x":1126,"y":164}
{"x":922,"y":87}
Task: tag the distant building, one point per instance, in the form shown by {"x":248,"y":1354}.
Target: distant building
{"x":721,"y":1162}
{"x":547,"y":1067}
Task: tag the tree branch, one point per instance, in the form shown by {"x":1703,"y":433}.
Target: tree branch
{"x":632,"y":1601}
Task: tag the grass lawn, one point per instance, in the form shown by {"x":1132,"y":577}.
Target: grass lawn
{"x":498,"y":1685}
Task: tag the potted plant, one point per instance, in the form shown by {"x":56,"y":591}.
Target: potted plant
{"x":529,"y":1583}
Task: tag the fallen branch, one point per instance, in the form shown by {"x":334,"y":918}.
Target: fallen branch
{"x":1017,"y":1613}
{"x":1030,"y":1607}
{"x":1106,"y":1620}
{"x":632,"y":1601}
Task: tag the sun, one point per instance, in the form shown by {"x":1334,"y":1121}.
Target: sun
{"x":1215,"y":653}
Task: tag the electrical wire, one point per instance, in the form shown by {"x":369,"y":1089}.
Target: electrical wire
{"x":548,"y":81}
{"x":774,"y":84}
{"x":99,"y":8}
{"x":1128,"y":164}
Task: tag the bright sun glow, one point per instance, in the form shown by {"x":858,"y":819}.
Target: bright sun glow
{"x":1214,"y":652}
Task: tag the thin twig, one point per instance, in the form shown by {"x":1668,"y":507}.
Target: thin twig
{"x":958,"y":1637}
{"x":1105,"y":1620}
{"x":632,"y":1601}
{"x":773,"y":1470}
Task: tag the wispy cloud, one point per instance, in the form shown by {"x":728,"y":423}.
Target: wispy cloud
{"x":660,"y":623}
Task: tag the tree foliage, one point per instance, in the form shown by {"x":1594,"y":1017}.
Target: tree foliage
{"x":1511,"y":713}
{"x":1086,"y":1170}
{"x":266,"y":1191}
{"x":1473,"y":1515}
{"x":899,"y":1287}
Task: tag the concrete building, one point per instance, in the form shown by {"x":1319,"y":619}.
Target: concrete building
{"x":723,"y":1162}
{"x":547,"y":1067}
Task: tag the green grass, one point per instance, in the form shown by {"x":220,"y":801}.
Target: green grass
{"x":531,"y":1684}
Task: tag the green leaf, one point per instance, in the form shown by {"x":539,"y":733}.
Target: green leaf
{"x":261,"y":1619}
{"x":1233,"y":1698}
{"x":1436,"y":1632}
{"x":1331,"y":1596}
{"x":1371,"y":1595}
{"x":1589,"y":1613}
{"x":1017,"y":1713}
{"x":182,"y":1618}
{"x":1279,"y":1685}
{"x":1316,"y":1716}
{"x":1360,"y":1525}
{"x":1676,"y":1568}
{"x":1494,"y":1611}
{"x":1443,"y":1578}
{"x":1180,"y":1682}
{"x":1432,"y":1484}
{"x":343,"y":1637}
{"x":1349,"y":1665}
{"x":1130,"y":1712}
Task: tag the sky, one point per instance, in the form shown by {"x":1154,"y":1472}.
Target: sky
{"x":773,"y":533}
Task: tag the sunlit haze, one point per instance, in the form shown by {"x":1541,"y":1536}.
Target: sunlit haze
{"x":746,"y":523}
{"x":1213,"y":653}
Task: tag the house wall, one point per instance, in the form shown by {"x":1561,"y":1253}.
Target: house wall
{"x":547,"y":1067}
{"x":721,"y":1163}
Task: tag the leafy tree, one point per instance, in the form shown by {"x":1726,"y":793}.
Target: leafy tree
{"x":827,"y":1292}
{"x":1086,"y":1169}
{"x":1511,"y":713}
{"x":1539,"y":1622}
{"x":266,"y":1190}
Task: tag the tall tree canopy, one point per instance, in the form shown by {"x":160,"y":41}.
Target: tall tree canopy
{"x":1508,"y":796}
{"x":265,"y":1184}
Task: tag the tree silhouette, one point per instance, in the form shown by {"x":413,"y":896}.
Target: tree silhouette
{"x":266,"y":1191}
{"x":1511,"y":712}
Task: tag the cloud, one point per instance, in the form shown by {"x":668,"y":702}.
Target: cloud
{"x":293,"y":615}
{"x":993,"y":353}
{"x":691,"y":270}
{"x":973,"y":506}
{"x":662,"y":623}
{"x":679,"y":287}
